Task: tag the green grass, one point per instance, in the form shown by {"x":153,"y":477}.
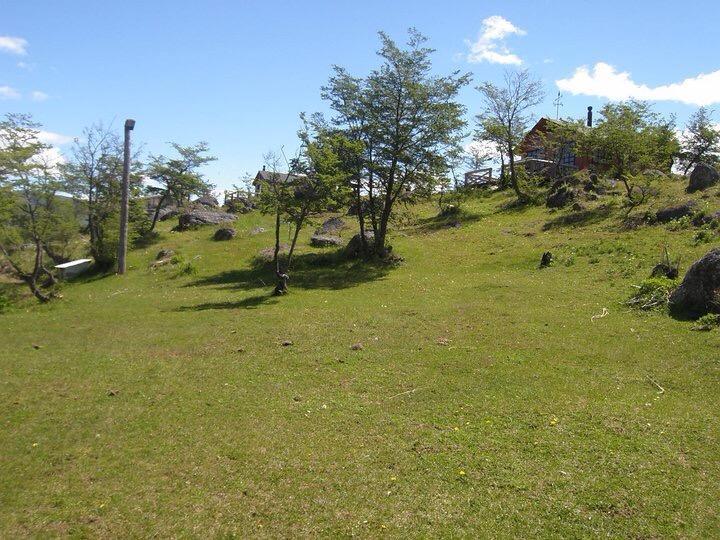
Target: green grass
{"x":486,"y":400}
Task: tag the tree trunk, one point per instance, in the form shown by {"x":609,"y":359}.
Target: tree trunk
{"x":157,"y":211}
{"x":361,"y":220}
{"x":513,"y":174}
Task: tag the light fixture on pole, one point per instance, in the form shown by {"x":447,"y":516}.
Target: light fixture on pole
{"x":122,"y":244}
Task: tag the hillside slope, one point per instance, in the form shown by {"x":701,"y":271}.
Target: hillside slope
{"x":487,"y":400}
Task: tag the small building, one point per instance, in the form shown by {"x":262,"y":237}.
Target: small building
{"x":536,"y":157}
{"x":74,"y":268}
{"x":269,"y":177}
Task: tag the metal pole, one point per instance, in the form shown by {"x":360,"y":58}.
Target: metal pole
{"x":122,"y":245}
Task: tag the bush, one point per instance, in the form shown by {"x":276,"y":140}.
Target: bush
{"x":703,"y":236}
{"x":182,"y":266}
{"x":707,"y":322}
{"x":652,"y":294}
{"x":4,"y":301}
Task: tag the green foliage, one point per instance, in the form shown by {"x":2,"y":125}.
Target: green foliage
{"x":707,"y":322}
{"x":506,"y":116}
{"x":629,"y":138}
{"x":4,"y":300}
{"x":652,"y":294}
{"x":704,"y":236}
{"x":700,"y":140}
{"x":178,"y":178}
{"x":408,"y":121}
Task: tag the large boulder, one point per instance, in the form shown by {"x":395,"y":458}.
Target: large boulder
{"x":562,"y":192}
{"x":699,"y":292}
{"x":240,"y":204}
{"x":208,"y":201}
{"x":666,"y":215}
{"x":168,"y":212}
{"x":195,"y":217}
{"x":354,"y":248}
{"x":330,"y":226}
{"x":325,"y":240}
{"x":703,"y":176}
{"x":225,"y":233}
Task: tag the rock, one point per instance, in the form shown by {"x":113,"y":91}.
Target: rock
{"x":354,"y":247}
{"x":561,"y":193}
{"x":37,"y":347}
{"x":356,"y":347}
{"x":546,"y":259}
{"x":671,"y":213}
{"x":699,"y":292}
{"x":287,"y":343}
{"x":226,"y":233}
{"x":703,"y":176}
{"x":323,"y":240}
{"x":164,"y":254}
{"x":256,"y":230}
{"x":267,"y":254}
{"x":196,"y":217}
{"x":240,"y":204}
{"x":664,"y":270}
{"x":208,"y":201}
{"x":329,"y":226}
{"x":702,"y":218}
{"x":167,"y":213}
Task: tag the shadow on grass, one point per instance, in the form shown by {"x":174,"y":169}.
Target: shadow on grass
{"x":252,"y":302}
{"x":310,"y":271}
{"x":584,"y":217}
{"x":440,"y":222}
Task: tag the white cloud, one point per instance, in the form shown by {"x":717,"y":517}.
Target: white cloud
{"x":490,"y":45}
{"x":49,"y":137}
{"x":603,"y":80}
{"x":37,"y":95}
{"x":14,"y":45}
{"x":8,"y":92}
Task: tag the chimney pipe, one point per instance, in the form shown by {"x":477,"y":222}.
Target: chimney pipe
{"x":263,"y":167}
{"x":589,"y":117}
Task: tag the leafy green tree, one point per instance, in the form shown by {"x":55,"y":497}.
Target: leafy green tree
{"x":407,"y":121}
{"x":505,"y":117}
{"x":179,"y":178}
{"x":700,"y":141}
{"x":93,"y":175}
{"x":628,"y":139}
{"x":30,"y":215}
{"x":318,"y":179}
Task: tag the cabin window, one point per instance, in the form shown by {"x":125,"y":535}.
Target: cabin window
{"x":537,"y":153}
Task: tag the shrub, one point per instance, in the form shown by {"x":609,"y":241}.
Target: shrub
{"x":652,"y":294}
{"x":183,"y":267}
{"x":707,"y":322}
{"x":4,"y":301}
{"x":703,"y":236}
{"x":680,"y":224}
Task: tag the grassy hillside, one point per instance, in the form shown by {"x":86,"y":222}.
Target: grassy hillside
{"x":486,"y":399}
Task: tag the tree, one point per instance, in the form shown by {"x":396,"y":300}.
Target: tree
{"x":93,"y":175}
{"x":407,"y":121}
{"x":506,"y":115}
{"x":317,"y":180}
{"x":179,"y":178}
{"x":628,"y":139}
{"x":30,"y":214}
{"x":700,"y":140}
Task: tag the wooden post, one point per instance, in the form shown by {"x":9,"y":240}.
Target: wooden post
{"x":124,"y":202}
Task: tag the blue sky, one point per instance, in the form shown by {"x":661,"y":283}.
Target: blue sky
{"x":237,"y":74}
